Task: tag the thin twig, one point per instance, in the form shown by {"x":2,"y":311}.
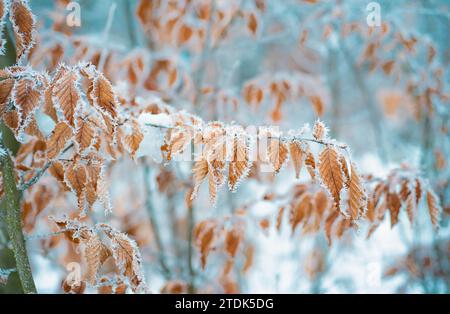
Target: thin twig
{"x":40,"y":172}
{"x":153,"y":221}
{"x":283,"y":138}
{"x":106,"y":31}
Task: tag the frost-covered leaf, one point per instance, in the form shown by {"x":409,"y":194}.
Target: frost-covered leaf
{"x":329,"y":169}
{"x":23,"y":22}
{"x":58,"y":139}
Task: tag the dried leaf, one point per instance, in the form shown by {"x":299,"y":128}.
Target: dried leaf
{"x":26,"y":100}
{"x":127,"y":257}
{"x":357,"y":198}
{"x":76,"y":178}
{"x":57,"y":141}
{"x":104,"y":98}
{"x":310,"y":163}
{"x":252,"y":23}
{"x":239,"y":164}
{"x":85,"y":134}
{"x":277,"y":153}
{"x":200,"y":170}
{"x":204,"y":233}
{"x":23,"y":23}
{"x":6,"y":87}
{"x":133,"y":141}
{"x":320,"y":130}
{"x":330,"y":172}
{"x":66,"y":95}
{"x":297,"y":157}
{"x":232,"y":240}
{"x":434,"y":208}
{"x":95,"y":253}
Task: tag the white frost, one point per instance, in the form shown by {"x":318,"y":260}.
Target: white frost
{"x":147,"y":120}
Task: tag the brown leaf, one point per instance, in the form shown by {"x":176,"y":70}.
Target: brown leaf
{"x":85,"y":134}
{"x":329,"y":224}
{"x":23,"y":23}
{"x":103,"y":97}
{"x":200,"y":170}
{"x":95,"y":253}
{"x":67,"y":95}
{"x":76,"y":177}
{"x":319,"y":130}
{"x":310,"y":163}
{"x":252,"y":23}
{"x":6,"y":87}
{"x":277,"y":153}
{"x":57,"y":170}
{"x":204,"y":233}
{"x":330,"y":172}
{"x":239,"y":164}
{"x":357,"y":198}
{"x":26,"y":100}
{"x":394,"y":204}
{"x":280,"y":217}
{"x":434,"y":208}
{"x":411,"y":207}
{"x":317,"y":104}
{"x":299,"y":210}
{"x":232,"y":240}
{"x":297,"y":157}
{"x":60,"y":135}
{"x":126,"y":256}
{"x":144,"y":11}
{"x":133,"y":141}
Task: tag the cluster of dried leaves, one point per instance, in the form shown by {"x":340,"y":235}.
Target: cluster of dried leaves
{"x":403,"y":189}
{"x":95,"y":124}
{"x":101,"y":244}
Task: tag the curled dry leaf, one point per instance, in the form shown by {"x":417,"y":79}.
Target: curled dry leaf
{"x":57,"y":171}
{"x":126,"y":256}
{"x":200,"y":171}
{"x":133,"y":140}
{"x":310,"y":163}
{"x":179,"y":139}
{"x":319,"y":130}
{"x":76,"y":178}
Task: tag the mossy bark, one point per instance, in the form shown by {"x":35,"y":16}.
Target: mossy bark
{"x":13,"y":220}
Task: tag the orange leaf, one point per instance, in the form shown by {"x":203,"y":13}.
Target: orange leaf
{"x":60,"y":135}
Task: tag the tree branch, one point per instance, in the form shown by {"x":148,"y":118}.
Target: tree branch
{"x":155,"y":227}
{"x":13,"y":220}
